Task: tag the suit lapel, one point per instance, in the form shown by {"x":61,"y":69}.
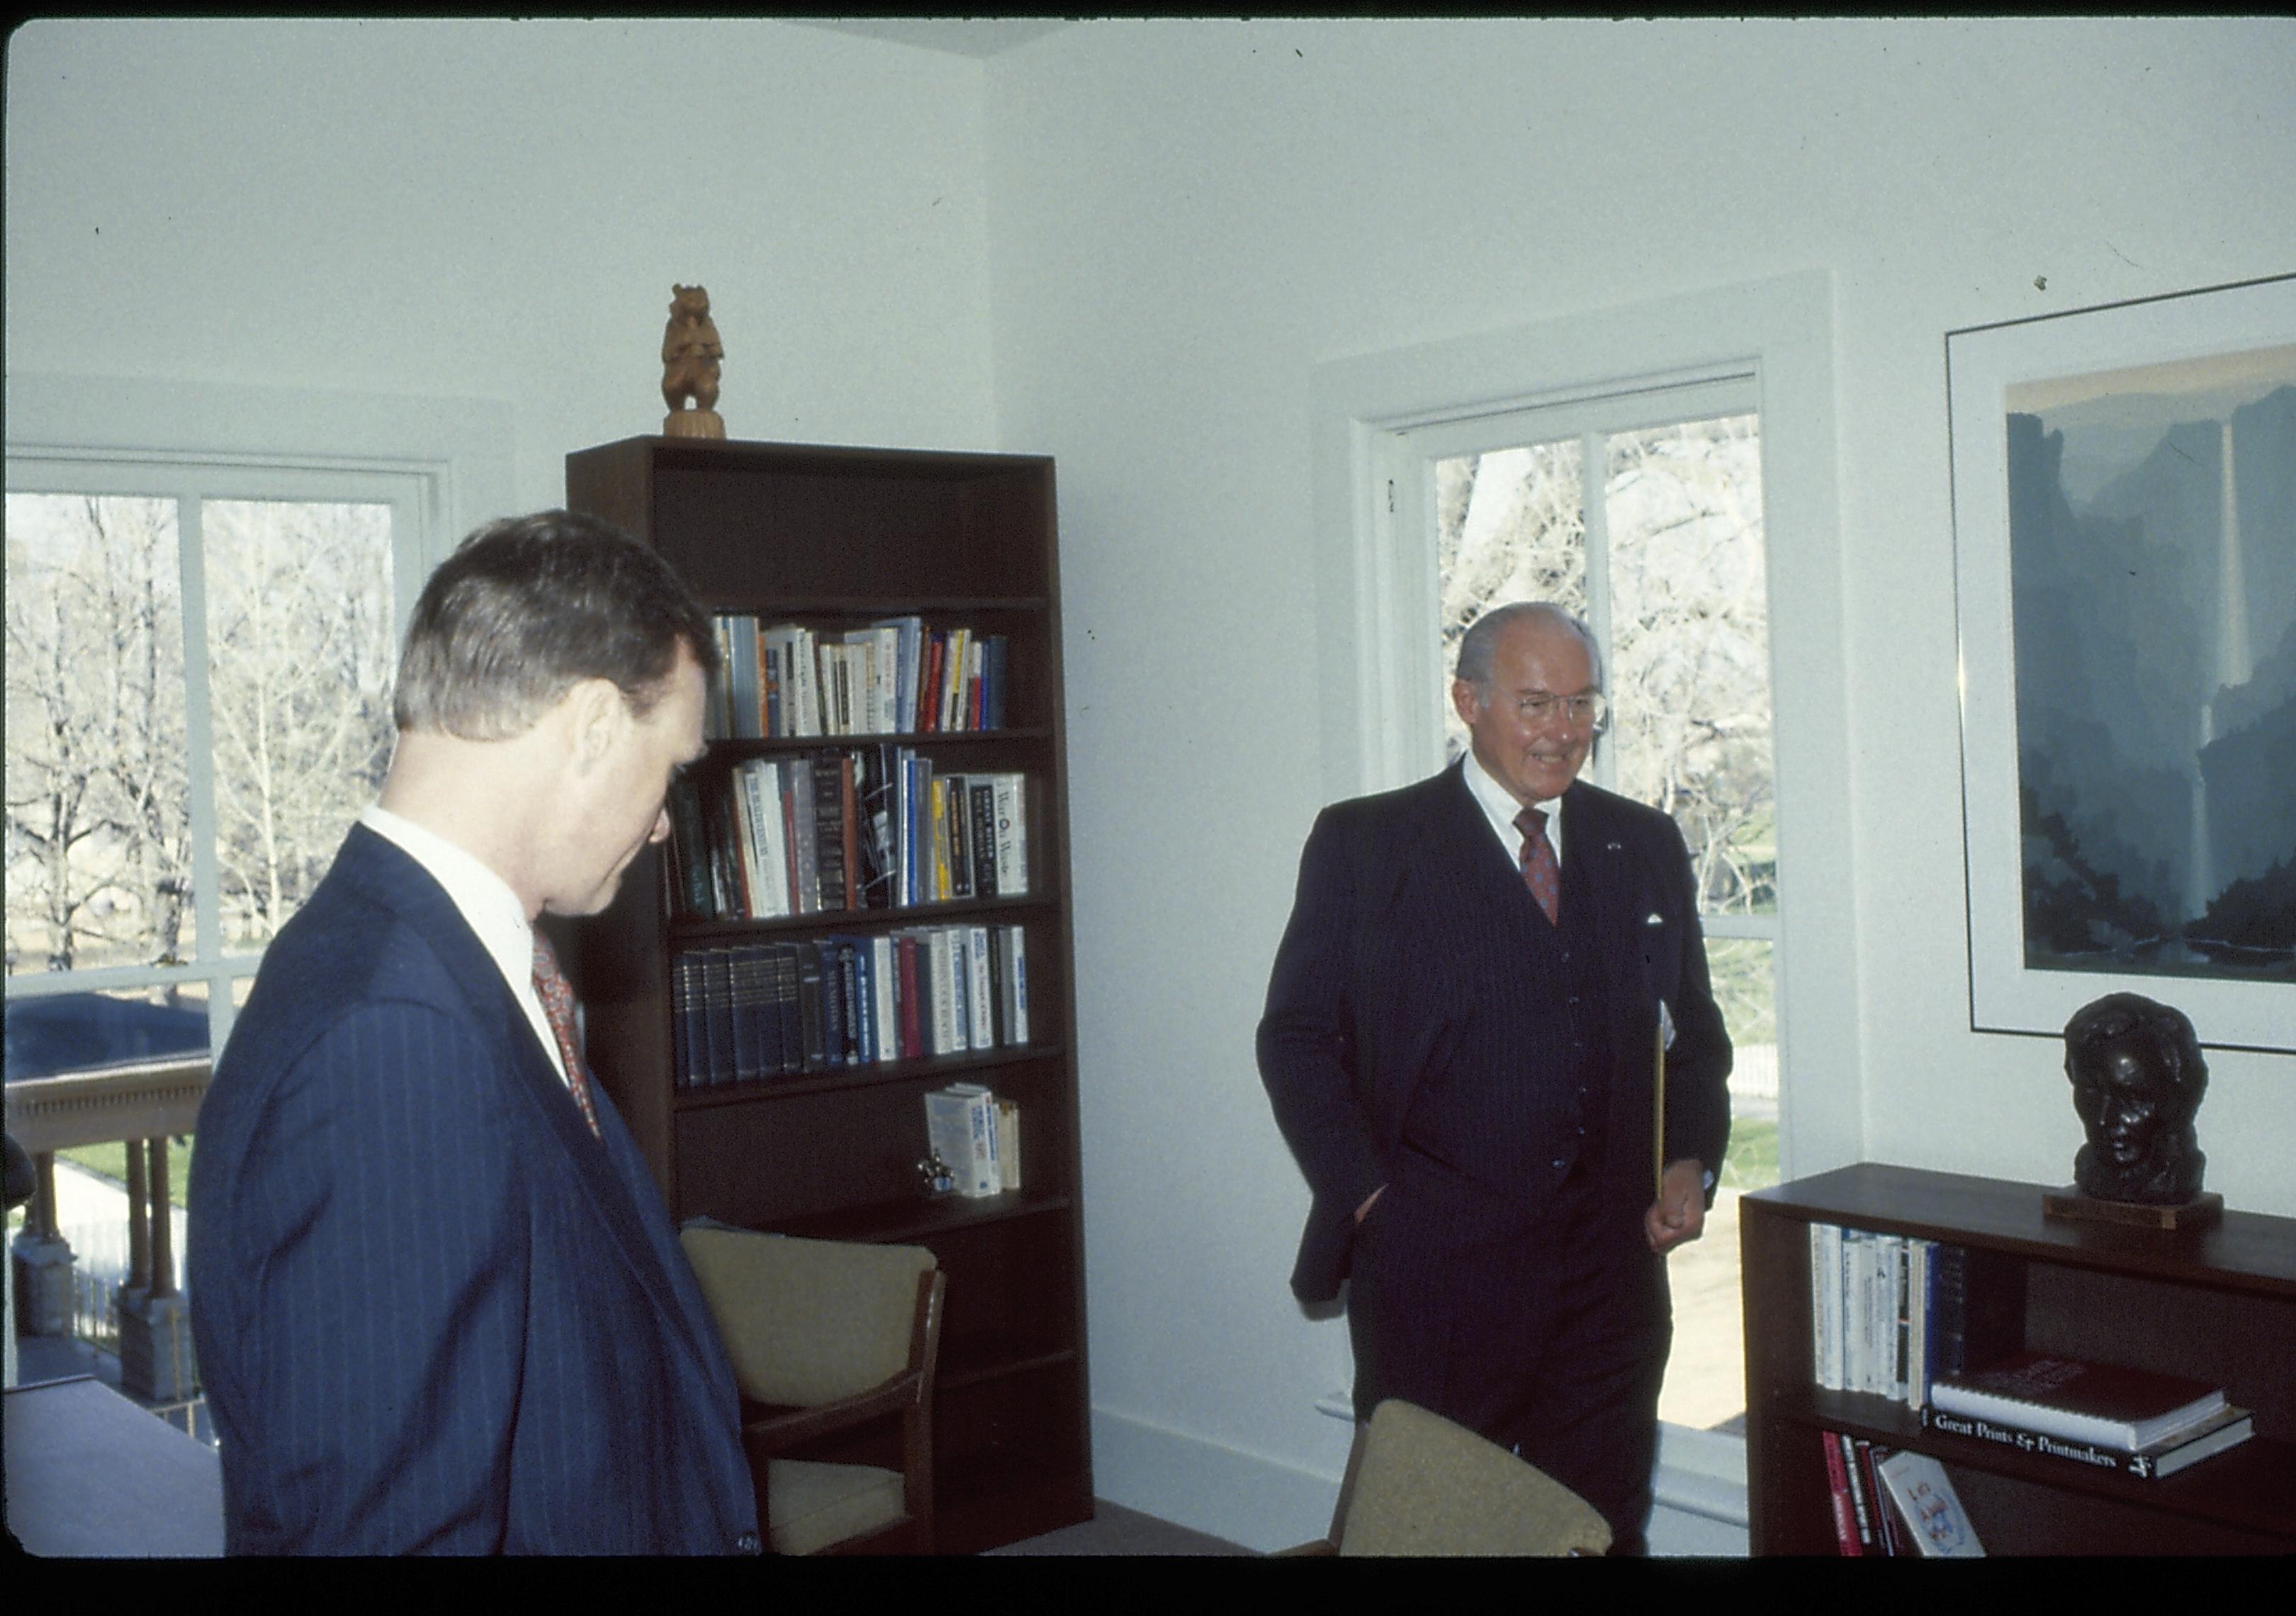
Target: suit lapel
{"x":604,"y":1173}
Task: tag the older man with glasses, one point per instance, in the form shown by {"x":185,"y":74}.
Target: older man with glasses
{"x":1485,"y":977}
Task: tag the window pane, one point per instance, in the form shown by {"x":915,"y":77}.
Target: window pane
{"x":1690,"y":657}
{"x":1706,"y":1372}
{"x":99,"y":828}
{"x":1508,"y":526}
{"x":299,"y":656}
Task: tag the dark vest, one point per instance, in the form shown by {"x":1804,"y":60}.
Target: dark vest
{"x":1520,"y":1093}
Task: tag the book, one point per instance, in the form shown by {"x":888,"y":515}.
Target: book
{"x":2104,"y":1404}
{"x":2227,"y":1428}
{"x":1012,"y":852}
{"x":960,"y":1128}
{"x":1923,"y":1492}
{"x":1861,"y":1501}
{"x":1847,"y":1539}
{"x":1008,"y":1144}
{"x":1013,"y":944}
{"x":980,"y":1000}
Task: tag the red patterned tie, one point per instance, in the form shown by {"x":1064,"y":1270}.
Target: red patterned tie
{"x":1540,"y":871}
{"x":558,"y":1004}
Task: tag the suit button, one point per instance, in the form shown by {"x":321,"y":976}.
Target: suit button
{"x":748,"y":1544}
{"x":1561,"y":1162}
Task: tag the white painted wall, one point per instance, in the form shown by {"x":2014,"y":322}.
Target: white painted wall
{"x":1186,"y":219}
{"x":497,"y":211}
{"x":1129,"y":245}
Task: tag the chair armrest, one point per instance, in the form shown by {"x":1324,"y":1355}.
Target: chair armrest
{"x":777,"y":1432}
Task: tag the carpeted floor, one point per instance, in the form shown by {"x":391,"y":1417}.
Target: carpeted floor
{"x":1117,"y":1530}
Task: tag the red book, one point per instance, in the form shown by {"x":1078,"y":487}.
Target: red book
{"x":1845,"y":1513}
{"x":905,"y":947}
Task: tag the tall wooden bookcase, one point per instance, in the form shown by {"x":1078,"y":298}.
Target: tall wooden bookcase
{"x":835,"y":538}
{"x":2216,"y":1305}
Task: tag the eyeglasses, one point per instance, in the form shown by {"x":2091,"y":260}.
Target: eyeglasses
{"x":1588,"y":711}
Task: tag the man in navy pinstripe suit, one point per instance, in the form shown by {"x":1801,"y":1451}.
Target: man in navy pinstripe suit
{"x":1460,"y":1041}
{"x":439,"y":1302}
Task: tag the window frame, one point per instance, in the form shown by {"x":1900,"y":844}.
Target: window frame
{"x":1375,"y":596}
{"x":441,"y":465}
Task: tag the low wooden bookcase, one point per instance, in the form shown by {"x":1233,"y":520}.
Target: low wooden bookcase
{"x":2218,"y":1305}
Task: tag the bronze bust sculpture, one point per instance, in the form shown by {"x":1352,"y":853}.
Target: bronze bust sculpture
{"x":2138,"y":1078}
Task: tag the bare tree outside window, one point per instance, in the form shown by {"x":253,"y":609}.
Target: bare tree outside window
{"x":107,"y":697}
{"x":98,"y":836}
{"x":300,"y":659}
{"x":1655,"y":536}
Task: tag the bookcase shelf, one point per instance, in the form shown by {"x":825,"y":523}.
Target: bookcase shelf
{"x":2218,"y":1305}
{"x":835,"y":538}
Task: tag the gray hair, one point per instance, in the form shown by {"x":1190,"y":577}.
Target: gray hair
{"x":528,"y":607}
{"x":1481,"y":639}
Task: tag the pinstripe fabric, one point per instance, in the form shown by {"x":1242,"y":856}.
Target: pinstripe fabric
{"x":1429,"y":1030}
{"x":1408,"y":984}
{"x":431,"y":1313}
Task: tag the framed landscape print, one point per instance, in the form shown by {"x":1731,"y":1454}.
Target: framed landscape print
{"x":2124,"y":484}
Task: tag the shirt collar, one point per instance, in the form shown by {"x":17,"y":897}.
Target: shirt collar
{"x":1500,"y":807}
{"x":483,"y":899}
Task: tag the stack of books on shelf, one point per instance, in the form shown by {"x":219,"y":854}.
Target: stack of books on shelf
{"x":857,"y":828}
{"x":977,"y":1136}
{"x":2102,"y":1416}
{"x":752,"y":1012}
{"x":1889,"y":1314}
{"x":897,"y":676}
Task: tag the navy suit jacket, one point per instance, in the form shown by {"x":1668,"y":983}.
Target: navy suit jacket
{"x":1404,"y":933}
{"x":432,"y":1310}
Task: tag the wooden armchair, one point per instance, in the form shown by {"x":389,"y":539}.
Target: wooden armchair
{"x":1420,"y":1484}
{"x":826,"y":1336}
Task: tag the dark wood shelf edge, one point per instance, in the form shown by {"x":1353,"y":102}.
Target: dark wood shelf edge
{"x":2241,"y":1253}
{"x":771,"y":1089}
{"x":906,"y":1221}
{"x":745,"y":745}
{"x":690,"y":934}
{"x":959,"y":1370}
{"x":996,"y":1502}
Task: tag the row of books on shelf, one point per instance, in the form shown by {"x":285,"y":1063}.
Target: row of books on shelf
{"x":1940,"y":1329}
{"x":752,"y":1012}
{"x":975,"y":1140}
{"x":1891,"y":1313}
{"x":896,"y":676}
{"x":857,"y":828}
{"x":1890,"y":1501}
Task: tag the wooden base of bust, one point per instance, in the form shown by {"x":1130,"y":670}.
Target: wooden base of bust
{"x":693,"y":423}
{"x":2200,"y":1212}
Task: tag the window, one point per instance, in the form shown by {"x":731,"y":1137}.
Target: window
{"x":200,"y":642}
{"x":1382,"y":421}
{"x":1650,"y":529}
{"x":199,"y":666}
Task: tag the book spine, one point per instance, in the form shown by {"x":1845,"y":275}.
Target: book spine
{"x":957,"y":824}
{"x":978,"y":999}
{"x":2088,"y":1455}
{"x":1860,"y":1505}
{"x":1846,"y":1540}
{"x":981,"y":826}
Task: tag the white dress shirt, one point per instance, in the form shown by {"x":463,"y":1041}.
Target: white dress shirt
{"x":1500,"y":807}
{"x":484,"y":899}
